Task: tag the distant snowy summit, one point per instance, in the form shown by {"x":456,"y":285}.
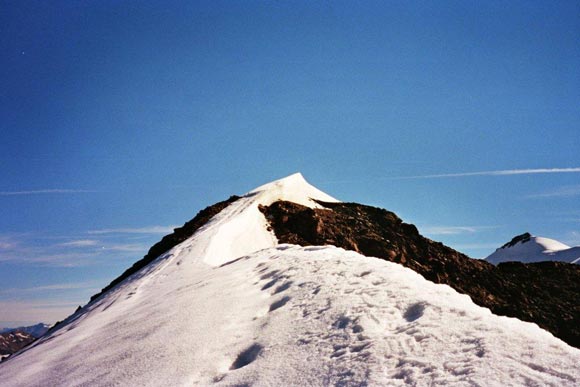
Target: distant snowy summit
{"x":14,"y":339}
{"x":34,"y":330}
{"x":528,"y":249}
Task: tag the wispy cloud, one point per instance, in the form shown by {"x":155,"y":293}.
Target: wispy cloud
{"x":454,"y":230}
{"x":6,"y":245}
{"x":44,"y":191}
{"x":80,"y":243}
{"x":505,"y":172}
{"x":50,"y":287}
{"x":141,"y":230}
{"x":10,"y":241}
{"x":73,"y":251}
{"x":129,"y":247}
{"x":561,"y":192}
{"x":88,"y":243}
{"x":46,"y":257}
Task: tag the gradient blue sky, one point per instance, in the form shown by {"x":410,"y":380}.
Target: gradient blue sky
{"x":120,"y":119}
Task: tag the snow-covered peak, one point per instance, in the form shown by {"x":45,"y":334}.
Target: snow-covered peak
{"x":285,"y":315}
{"x":241,"y":228}
{"x":528,"y":248}
{"x":293,"y":188}
{"x":550,"y":245}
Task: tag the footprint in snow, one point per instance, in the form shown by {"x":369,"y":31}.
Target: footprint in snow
{"x":414,"y":312}
{"x":247,"y":356}
{"x":280,"y":303}
{"x":283,"y":287}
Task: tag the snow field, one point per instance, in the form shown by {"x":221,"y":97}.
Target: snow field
{"x":230,"y":306}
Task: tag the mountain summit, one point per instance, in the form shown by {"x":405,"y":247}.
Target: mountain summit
{"x":528,"y":248}
{"x":223,"y":300}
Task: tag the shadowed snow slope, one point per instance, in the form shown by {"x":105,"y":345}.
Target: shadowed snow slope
{"x":230,"y":306}
{"x":528,"y":248}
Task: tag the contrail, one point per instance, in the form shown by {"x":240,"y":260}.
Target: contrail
{"x":504,"y":172}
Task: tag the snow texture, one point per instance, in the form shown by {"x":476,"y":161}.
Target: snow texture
{"x":230,"y":306}
{"x":536,"y":249}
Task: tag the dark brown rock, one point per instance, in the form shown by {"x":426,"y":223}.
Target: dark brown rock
{"x":14,"y":341}
{"x":545,"y":293}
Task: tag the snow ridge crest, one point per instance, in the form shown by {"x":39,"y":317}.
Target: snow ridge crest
{"x":241,"y":229}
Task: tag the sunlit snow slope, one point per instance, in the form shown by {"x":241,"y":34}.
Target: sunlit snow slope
{"x":230,"y":306}
{"x":535,"y":249}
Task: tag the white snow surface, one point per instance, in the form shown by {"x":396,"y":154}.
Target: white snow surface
{"x":536,"y":249}
{"x":221,"y":310}
{"x":241,"y":228}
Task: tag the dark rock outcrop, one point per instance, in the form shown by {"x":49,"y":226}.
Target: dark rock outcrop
{"x":545,"y":293}
{"x":11,"y":342}
{"x":35,"y":330}
{"x":525,"y":237}
{"x":179,"y":235}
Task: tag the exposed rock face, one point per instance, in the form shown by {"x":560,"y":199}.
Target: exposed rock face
{"x":12,"y":342}
{"x":520,"y":238}
{"x":545,"y":293}
{"x":35,"y":330}
{"x":169,"y":241}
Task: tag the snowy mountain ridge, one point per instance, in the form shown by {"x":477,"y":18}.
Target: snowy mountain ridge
{"x":36,"y":330}
{"x":232,"y":306}
{"x":12,"y":341}
{"x":241,"y":228}
{"x":528,"y":248}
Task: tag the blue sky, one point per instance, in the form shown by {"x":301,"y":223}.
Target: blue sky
{"x":120,"y":119}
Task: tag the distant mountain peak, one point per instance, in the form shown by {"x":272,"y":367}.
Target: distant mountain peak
{"x":14,"y":339}
{"x":529,"y":248}
{"x":36,"y":330}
